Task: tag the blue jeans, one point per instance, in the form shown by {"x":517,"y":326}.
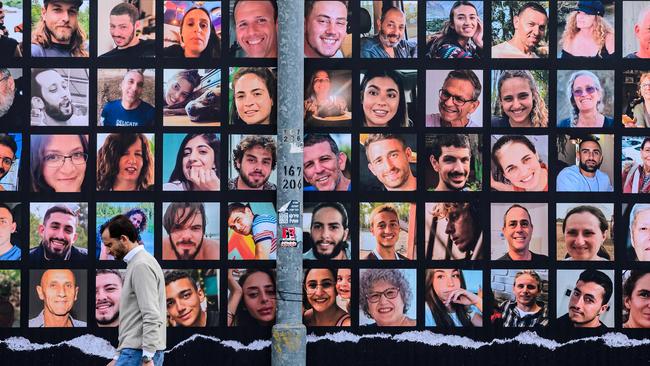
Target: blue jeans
{"x":133,"y":357}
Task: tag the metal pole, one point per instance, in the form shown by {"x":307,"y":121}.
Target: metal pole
{"x":289,"y":334}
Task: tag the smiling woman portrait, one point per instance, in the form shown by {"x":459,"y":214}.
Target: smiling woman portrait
{"x":320,"y":300}
{"x":385,"y":297}
{"x":125,"y":163}
{"x":254,"y":91}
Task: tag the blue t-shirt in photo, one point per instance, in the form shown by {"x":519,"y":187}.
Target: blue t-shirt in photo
{"x":115,"y":115}
{"x":12,"y":255}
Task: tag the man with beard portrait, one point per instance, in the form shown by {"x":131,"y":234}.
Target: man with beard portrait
{"x":58,"y":233}
{"x":8,"y":148}
{"x":185,"y":224}
{"x":586,"y":177}
{"x":450,"y":157}
{"x":108,"y":287}
{"x":389,"y":42}
{"x":51,"y":91}
{"x":254,"y":160}
{"x":11,"y":100}
{"x":57,"y":33}
{"x":329,"y":232}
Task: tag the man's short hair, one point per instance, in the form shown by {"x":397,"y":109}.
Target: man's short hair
{"x":237,"y":206}
{"x":467,"y":75}
{"x":309,"y":5}
{"x":120,"y":225}
{"x":587,"y":139}
{"x":8,"y":141}
{"x":375,"y":137}
{"x":58,"y":209}
{"x":534,"y":6}
{"x":386,"y":207}
{"x":139,"y":71}
{"x":385,"y":10}
{"x":447,"y":140}
{"x":273,"y":2}
{"x":36,"y":86}
{"x":516,"y":205}
{"x":250,"y":142}
{"x":103,"y":271}
{"x":189,"y":209}
{"x":335,"y":205}
{"x":599,"y":278}
{"x":312,"y":139}
{"x":4,"y":72}
{"x":126,"y":9}
{"x":5,"y":206}
{"x":175,"y":275}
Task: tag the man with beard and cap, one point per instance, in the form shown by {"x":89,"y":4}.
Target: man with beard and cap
{"x":108,"y":288}
{"x":518,"y":230}
{"x":52,"y":91}
{"x":58,"y":232}
{"x":325,"y":28}
{"x":254,"y":160}
{"x":588,"y":301}
{"x":124,"y":25}
{"x":263,"y":228}
{"x":530,"y":28}
{"x":385,"y":228}
{"x":329,"y":232}
{"x":57,"y":33}
{"x":184,"y":302}
{"x":130,"y":110}
{"x":58,"y":290}
{"x":11,"y":100}
{"x":389,"y":42}
{"x":525,"y":310}
{"x":185,"y":224}
{"x":586,"y":177}
{"x":450,"y":157}
{"x":8,"y":148}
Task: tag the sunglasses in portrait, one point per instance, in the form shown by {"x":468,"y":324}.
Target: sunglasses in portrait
{"x":588,"y":90}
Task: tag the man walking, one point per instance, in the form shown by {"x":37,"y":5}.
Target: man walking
{"x":142,"y":330}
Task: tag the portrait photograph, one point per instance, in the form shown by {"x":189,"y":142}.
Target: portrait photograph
{"x":10,"y":298}
{"x":452,"y":231}
{"x":327,"y":27}
{"x":519,"y":98}
{"x":126,"y":97}
{"x":328,"y":98}
{"x":108,"y":288}
{"x":252,"y":230}
{"x":191,"y":162}
{"x":453,"y":98}
{"x":388,"y":31}
{"x":253,"y":96}
{"x":387,"y":231}
{"x":585,"y":29}
{"x":584,"y":231}
{"x":11,"y":146}
{"x":388,"y":98}
{"x":125,"y":161}
{"x":72,"y":40}
{"x":190,"y":231}
{"x":585,"y":98}
{"x":374,"y":151}
{"x":252,"y":161}
{"x":454,"y":163}
{"x":11,"y":28}
{"x":324,"y":301}
{"x":585,"y":298}
{"x":519,"y":163}
{"x":635,"y":284}
{"x":192,"y":297}
{"x":454,"y":29}
{"x":327,"y":164}
{"x":192,"y":98}
{"x":520,"y":29}
{"x":13,"y":90}
{"x":58,"y":298}
{"x":58,"y":232}
{"x":59,"y":97}
{"x":254,"y":29}
{"x":182,"y":19}
{"x":50,"y":170}
{"x":397,"y":287}
{"x":636,"y":218}
{"x":12,"y":226}
{"x":521,"y":298}
{"x":585,"y":163}
{"x":636,"y":90}
{"x":453,"y":298}
{"x":141,"y":215}
{"x":251,"y":297}
{"x":126,"y":29}
{"x":636,"y":31}
{"x":635,"y":164}
{"x":519,"y":231}
{"x":326,"y":231}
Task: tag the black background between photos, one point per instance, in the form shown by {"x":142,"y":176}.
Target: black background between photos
{"x":356,"y":65}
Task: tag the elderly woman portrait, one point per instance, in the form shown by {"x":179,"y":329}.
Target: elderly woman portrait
{"x":585,"y":233}
{"x":461,"y":34}
{"x":638,"y":110}
{"x":385,"y":296}
{"x":587,"y":33}
{"x":194,"y":36}
{"x":638,"y":235}
{"x":197,"y":162}
{"x":448,"y":301}
{"x":518,"y":99}
{"x":635,"y":170}
{"x":586,"y":96}
{"x":125,"y":163}
{"x":636,"y":286}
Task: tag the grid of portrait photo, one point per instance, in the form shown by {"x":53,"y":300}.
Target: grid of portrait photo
{"x":467,"y":164}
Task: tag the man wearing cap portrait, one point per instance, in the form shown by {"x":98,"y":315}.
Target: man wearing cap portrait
{"x":57,"y":33}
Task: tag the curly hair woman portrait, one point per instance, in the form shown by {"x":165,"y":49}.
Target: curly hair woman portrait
{"x":125,"y":163}
{"x":519,"y":101}
{"x":587,"y":33}
{"x":385,"y":296}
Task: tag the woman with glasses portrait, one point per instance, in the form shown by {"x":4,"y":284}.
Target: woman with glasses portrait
{"x":58,"y":162}
{"x":385,"y":297}
{"x":320,"y":300}
{"x":585,"y":94}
